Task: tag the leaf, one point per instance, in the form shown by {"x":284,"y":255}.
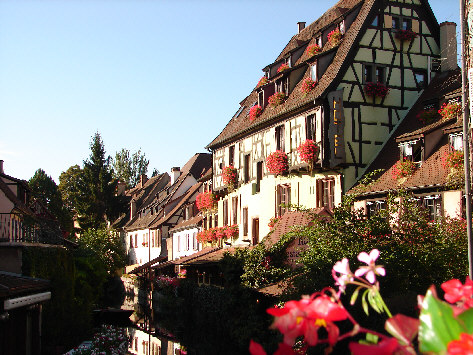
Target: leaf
{"x":467,"y":318}
{"x":402,"y":327}
{"x":354,"y":296}
{"x":372,"y":301}
{"x":371,"y":338}
{"x":438,"y":326}
{"x":364,"y":304}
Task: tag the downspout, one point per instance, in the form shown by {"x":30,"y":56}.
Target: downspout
{"x":466,"y":148}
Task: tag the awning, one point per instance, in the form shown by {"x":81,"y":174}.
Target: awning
{"x":149,"y":264}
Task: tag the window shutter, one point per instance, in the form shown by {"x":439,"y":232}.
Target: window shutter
{"x":319,"y":192}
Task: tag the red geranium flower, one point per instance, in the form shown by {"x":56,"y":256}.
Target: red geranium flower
{"x":464,"y":346}
{"x":384,"y":347}
{"x":456,"y":292}
{"x":255,"y":112}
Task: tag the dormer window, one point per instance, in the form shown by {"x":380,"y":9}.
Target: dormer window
{"x":412,"y":151}
{"x":313,"y":72}
{"x":341,"y":27}
{"x":319,"y":41}
{"x":282,"y":85}
{"x":456,"y":141}
{"x":289,"y":61}
{"x":261,"y":98}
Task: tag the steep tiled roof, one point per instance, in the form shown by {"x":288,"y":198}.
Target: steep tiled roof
{"x":240,"y":124}
{"x":14,"y":285}
{"x":432,"y":172}
{"x":191,"y":222}
{"x":15,"y":200}
{"x":198,"y":165}
{"x":206,"y":256}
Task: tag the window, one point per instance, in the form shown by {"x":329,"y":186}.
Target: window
{"x":319,"y":41}
{"x":375,"y":22}
{"x":178,"y":242}
{"x":289,"y":61}
{"x":231,"y":155}
{"x":259,"y":175}
{"x":245,"y":220}
{"x":412,"y":150}
{"x":225,"y":213}
{"x":234,"y":210}
{"x":261,"y":98}
{"x":283,"y":199}
{"x":195,"y":244}
{"x":136,"y":240}
{"x":313,"y":72}
{"x":456,"y":141}
{"x":280,"y":138}
{"x":247,"y":168}
{"x":401,"y":23}
{"x":373,"y":207}
{"x":341,"y":27}
{"x":239,"y":111}
{"x":282,"y":85}
{"x":433,"y":205}
{"x":325,"y":193}
{"x":187,"y":241}
{"x":374,"y":73}
{"x":152,"y":239}
{"x":421,"y":79}
{"x":310,"y":127}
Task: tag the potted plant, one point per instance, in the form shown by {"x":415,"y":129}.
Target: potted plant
{"x":450,"y":110}
{"x":273,"y":221}
{"x":283,"y":67}
{"x":205,"y":201}
{"x":376,"y":89}
{"x":403,"y":168}
{"x":255,"y":112}
{"x":263,"y":81}
{"x":313,"y":49}
{"x":229,"y":177}
{"x":307,"y":86}
{"x":334,"y":37}
{"x":308,"y":152}
{"x":427,"y":116}
{"x":277,"y":163}
{"x":405,"y":35}
{"x":453,"y":161}
{"x":276,"y":99}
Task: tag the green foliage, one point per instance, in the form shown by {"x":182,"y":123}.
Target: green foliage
{"x":45,"y":189}
{"x":76,"y":288}
{"x":106,"y":245}
{"x":128,"y":169}
{"x":69,"y":182}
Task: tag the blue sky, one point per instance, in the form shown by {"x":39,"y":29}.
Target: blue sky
{"x":164,"y":76}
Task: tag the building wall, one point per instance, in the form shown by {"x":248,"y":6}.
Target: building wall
{"x":183,"y":243}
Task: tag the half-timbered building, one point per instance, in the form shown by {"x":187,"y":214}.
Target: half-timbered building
{"x":345,"y":82}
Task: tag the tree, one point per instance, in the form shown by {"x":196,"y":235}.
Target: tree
{"x":155,"y":172}
{"x":97,"y":202}
{"x":69,"y":182}
{"x":45,"y":189}
{"x":129,"y":169}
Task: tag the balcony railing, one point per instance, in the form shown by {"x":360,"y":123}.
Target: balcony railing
{"x":15,"y":229}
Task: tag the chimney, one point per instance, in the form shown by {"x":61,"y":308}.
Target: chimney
{"x":143,"y":179}
{"x":300,"y":26}
{"x":1,"y":166}
{"x":175,"y":173}
{"x":448,"y":46}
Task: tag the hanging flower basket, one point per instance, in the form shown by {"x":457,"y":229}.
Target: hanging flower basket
{"x":276,"y":99}
{"x":309,"y":152}
{"x":405,"y":35}
{"x":376,"y":90}
{"x":283,"y":67}
{"x":313,"y":49}
{"x":403,"y":168}
{"x":229,"y":177}
{"x":255,"y":112}
{"x":263,"y":81}
{"x":427,"y":116}
{"x":307,"y":86}
{"x":277,"y":163}
{"x":205,"y":201}
{"x":334,"y":37}
{"x":453,"y":161}
{"x":450,"y":110}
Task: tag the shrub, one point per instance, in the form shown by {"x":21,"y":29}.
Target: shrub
{"x":313,"y":49}
{"x":376,"y":90}
{"x":334,"y":37}
{"x":405,"y":35}
{"x":403,"y":168}
{"x":283,"y":67}
{"x":307,"y":86}
{"x":205,"y":201}
{"x":277,"y":163}
{"x":276,"y":99}
{"x":229,"y":177}
{"x":450,"y":110}
{"x":263,"y":81}
{"x":308,"y":152}
{"x":255,"y":112}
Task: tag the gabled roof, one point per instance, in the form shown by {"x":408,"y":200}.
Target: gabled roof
{"x":240,"y":125}
{"x":190,"y":223}
{"x":19,"y":205}
{"x":432,"y":172}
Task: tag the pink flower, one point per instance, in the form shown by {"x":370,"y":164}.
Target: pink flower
{"x":255,"y":112}
{"x":456,"y":292}
{"x":464,"y":346}
{"x":372,"y":269}
{"x":346,"y":276}
{"x":385,"y":347}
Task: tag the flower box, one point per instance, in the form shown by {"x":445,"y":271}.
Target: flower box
{"x":454,"y":160}
{"x":277,"y":163}
{"x":205,"y":201}
{"x":263,"y":81}
{"x":427,"y":116}
{"x":217,"y":234}
{"x":283,"y":67}
{"x":334,"y":37}
{"x":405,"y":35}
{"x":255,"y":112}
{"x":309,"y":152}
{"x":276,"y":99}
{"x":403,"y":168}
{"x":450,"y":110}
{"x":273,"y":221}
{"x":376,"y":90}
{"x":313,"y":49}
{"x":308,"y":85}
{"x":229,"y":177}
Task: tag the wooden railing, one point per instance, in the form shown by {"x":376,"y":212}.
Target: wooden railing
{"x":14,"y":228}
